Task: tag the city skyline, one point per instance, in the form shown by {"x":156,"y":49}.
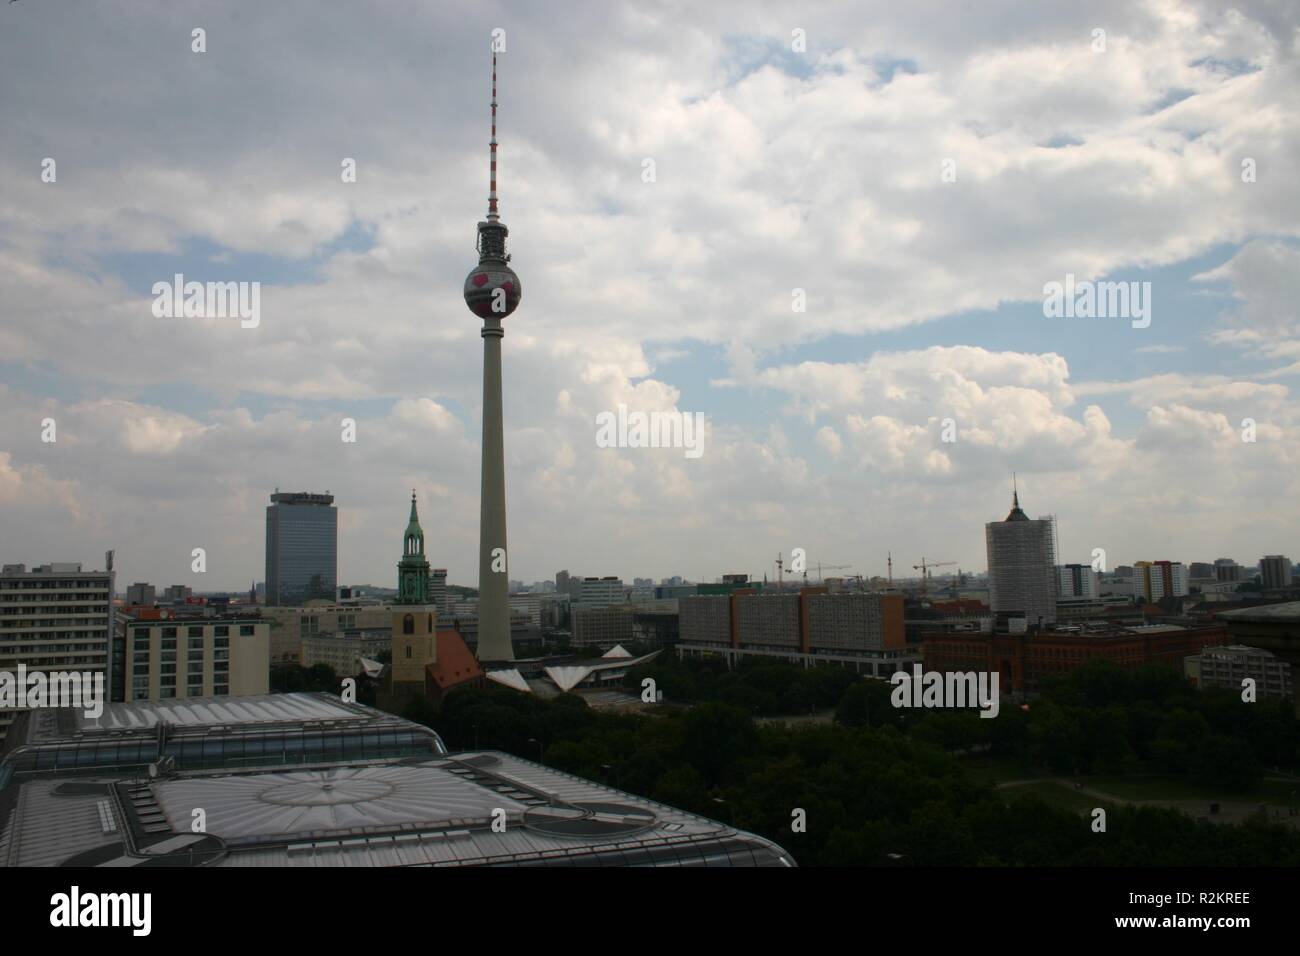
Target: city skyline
{"x":773,"y":171}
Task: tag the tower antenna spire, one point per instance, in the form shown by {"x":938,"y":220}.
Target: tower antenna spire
{"x":492,"y":178}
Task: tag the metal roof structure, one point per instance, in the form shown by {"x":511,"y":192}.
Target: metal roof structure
{"x":1284,"y":613}
{"x":571,"y":675}
{"x":467,"y":809}
{"x":206,"y":732}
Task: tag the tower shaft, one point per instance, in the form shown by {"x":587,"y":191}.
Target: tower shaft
{"x":493,"y":568}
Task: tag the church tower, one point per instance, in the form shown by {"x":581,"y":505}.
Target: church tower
{"x":415,"y":617}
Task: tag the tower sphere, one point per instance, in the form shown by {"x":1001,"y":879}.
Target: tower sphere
{"x":481,"y":287}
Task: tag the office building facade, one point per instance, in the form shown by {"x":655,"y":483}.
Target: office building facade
{"x":301,"y":548}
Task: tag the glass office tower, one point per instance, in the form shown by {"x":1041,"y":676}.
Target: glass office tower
{"x":301,"y":548}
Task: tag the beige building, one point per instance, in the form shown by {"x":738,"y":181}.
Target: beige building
{"x":342,"y":653}
{"x":290,"y":626}
{"x":201,"y":657}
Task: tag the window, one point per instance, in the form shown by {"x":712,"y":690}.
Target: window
{"x":245,"y":630}
{"x":221,"y":630}
{"x":408,"y":627}
{"x":169,"y":632}
{"x":408,"y":652}
{"x":194,"y":632}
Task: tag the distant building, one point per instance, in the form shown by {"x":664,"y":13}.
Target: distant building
{"x":1275,"y":571}
{"x":529,"y":604}
{"x":1024,"y":661}
{"x":293,"y":627}
{"x":301,"y":548}
{"x":1022,"y":567}
{"x":601,"y":592}
{"x":1228,"y":570}
{"x":141,"y":593}
{"x":1153,"y":580}
{"x":860,"y":628}
{"x":1077,"y":581}
{"x":438,"y":591}
{"x":57,"y":617}
{"x":343,"y":653}
{"x":657,"y":628}
{"x":177,"y":594}
{"x":602,"y":627}
{"x":1227,"y":666}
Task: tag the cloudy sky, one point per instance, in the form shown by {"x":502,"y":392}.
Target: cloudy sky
{"x":919,"y":171}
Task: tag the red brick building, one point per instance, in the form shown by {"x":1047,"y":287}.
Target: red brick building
{"x":1023,"y":661}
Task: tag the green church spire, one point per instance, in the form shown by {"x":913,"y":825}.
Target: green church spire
{"x":413,"y":569}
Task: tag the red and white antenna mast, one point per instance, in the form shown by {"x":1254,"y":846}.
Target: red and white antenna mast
{"x":492,"y":179}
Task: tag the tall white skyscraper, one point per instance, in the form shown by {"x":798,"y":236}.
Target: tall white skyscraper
{"x":1022,"y":567}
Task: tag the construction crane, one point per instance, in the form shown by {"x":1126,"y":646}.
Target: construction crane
{"x":924,"y":567}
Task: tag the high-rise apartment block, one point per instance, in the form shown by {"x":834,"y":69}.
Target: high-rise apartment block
{"x":56,"y":617}
{"x":1275,"y":571}
{"x":1228,"y":570}
{"x":141,"y":593}
{"x":1076,"y":581}
{"x":1153,"y":580}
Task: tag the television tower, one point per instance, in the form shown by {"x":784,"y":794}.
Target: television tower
{"x":492,"y":292}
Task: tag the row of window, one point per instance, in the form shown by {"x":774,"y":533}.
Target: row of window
{"x":218,"y":630}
